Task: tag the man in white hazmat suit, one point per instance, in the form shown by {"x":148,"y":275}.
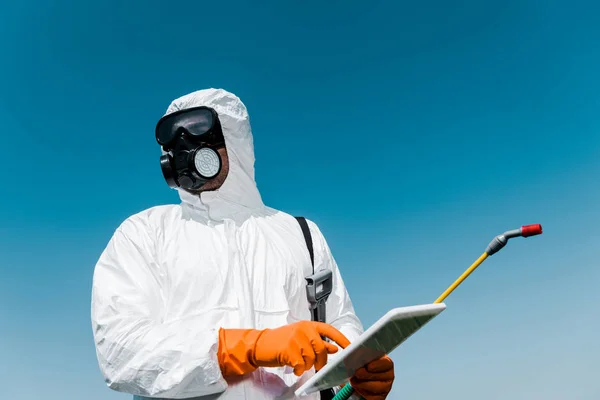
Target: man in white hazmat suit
{"x":207,"y":299}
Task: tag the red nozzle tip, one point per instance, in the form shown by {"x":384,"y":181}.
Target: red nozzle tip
{"x":531,"y":230}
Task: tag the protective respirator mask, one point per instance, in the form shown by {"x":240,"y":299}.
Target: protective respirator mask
{"x":190,"y":138}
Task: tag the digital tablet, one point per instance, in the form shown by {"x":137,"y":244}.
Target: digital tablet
{"x":380,"y":339}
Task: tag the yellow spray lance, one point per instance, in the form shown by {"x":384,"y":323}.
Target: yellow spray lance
{"x":495,"y":245}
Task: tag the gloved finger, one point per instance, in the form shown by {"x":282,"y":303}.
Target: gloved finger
{"x":331,"y":348}
{"x":298,"y":365}
{"x":380,"y":365}
{"x":330,"y":332}
{"x":320,"y":350}
{"x":309,"y":355}
{"x":299,"y":369}
{"x":295,"y":357}
{"x":366,"y":395}
{"x":371,"y":387}
{"x":364,"y":375}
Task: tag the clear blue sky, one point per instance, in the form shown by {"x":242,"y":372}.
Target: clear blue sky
{"x":412,"y":134}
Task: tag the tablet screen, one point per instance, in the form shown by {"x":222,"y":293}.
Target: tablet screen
{"x":381,"y":338}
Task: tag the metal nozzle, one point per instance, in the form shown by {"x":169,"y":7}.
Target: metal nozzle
{"x":500,"y":241}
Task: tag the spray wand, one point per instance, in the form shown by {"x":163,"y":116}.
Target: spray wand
{"x":495,"y":245}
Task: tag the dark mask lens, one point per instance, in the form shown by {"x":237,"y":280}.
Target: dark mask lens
{"x":164,"y":132}
{"x":196,"y":122}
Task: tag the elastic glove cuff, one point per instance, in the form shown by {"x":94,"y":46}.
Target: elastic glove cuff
{"x":237,"y":351}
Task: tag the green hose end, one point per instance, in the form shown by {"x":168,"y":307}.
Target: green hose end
{"x":344,"y":393}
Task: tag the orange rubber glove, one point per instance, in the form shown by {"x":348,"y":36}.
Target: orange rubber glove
{"x":299,"y":345}
{"x":374,"y":381}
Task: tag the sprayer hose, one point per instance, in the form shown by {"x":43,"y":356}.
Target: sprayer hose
{"x":344,"y":393}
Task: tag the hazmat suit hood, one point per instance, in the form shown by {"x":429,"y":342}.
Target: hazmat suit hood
{"x":238,"y":198}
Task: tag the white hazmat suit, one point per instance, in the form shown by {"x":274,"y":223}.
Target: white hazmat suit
{"x":172,"y":275}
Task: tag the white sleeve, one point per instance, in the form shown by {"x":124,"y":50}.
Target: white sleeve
{"x":340,"y":311}
{"x":137,"y":352}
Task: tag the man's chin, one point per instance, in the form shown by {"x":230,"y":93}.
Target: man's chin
{"x":206,"y":188}
{"x":210,"y":186}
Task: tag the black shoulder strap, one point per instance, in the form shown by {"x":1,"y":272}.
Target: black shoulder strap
{"x":308,"y":238}
{"x":327,"y":394}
